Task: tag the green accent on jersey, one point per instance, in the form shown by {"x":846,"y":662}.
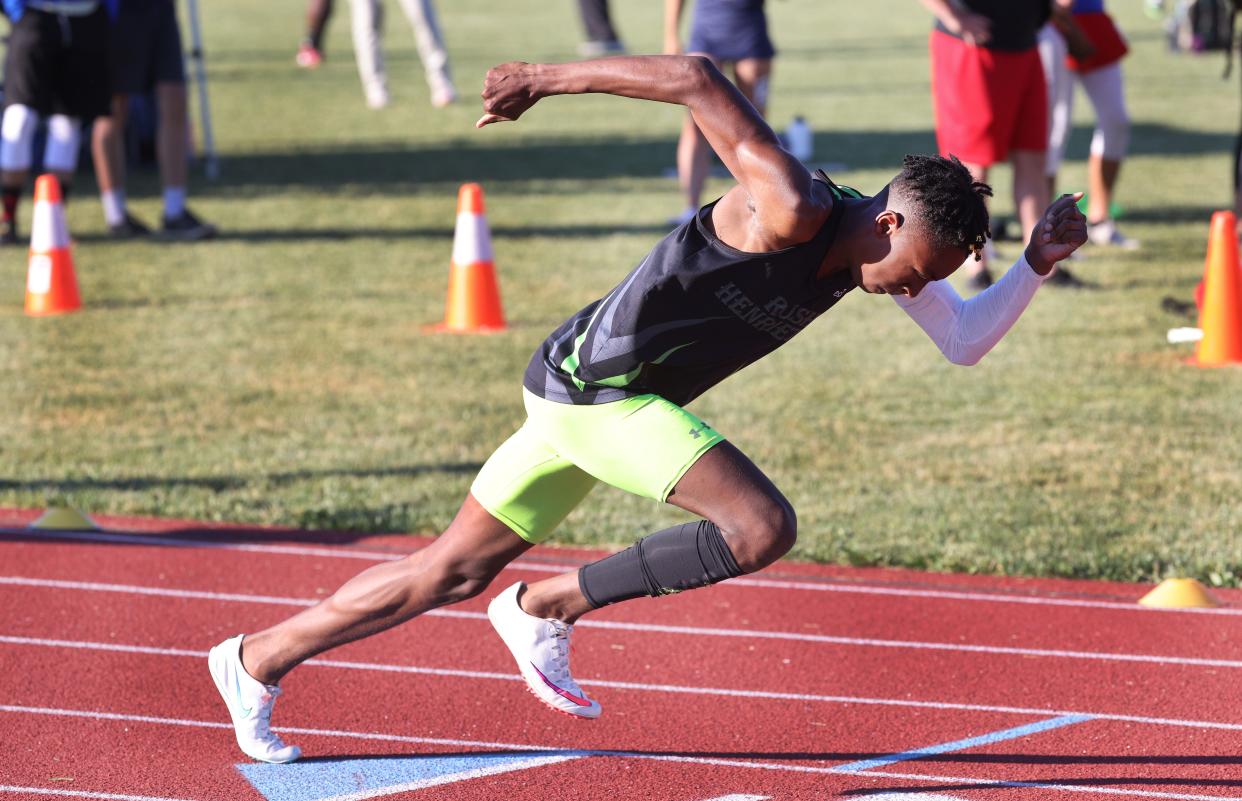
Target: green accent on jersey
{"x":620,"y":381}
{"x":570,"y":365}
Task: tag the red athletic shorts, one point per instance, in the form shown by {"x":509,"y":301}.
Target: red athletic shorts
{"x":987,"y":102}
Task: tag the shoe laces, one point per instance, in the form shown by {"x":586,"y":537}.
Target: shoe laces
{"x":263,"y":722}
{"x":560,"y":649}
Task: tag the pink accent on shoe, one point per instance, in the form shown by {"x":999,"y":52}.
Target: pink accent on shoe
{"x":561,"y":692}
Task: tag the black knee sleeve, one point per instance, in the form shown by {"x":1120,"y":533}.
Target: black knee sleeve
{"x":679,"y":558}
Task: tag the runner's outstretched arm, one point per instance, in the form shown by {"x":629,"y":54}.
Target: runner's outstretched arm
{"x":779,"y":186}
{"x":965,"y":330}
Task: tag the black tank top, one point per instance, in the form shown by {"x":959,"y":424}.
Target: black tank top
{"x":694,"y":312}
{"x":1015,"y":23}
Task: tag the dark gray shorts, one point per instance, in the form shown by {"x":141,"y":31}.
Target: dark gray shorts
{"x":58,"y":64}
{"x":146,"y":47}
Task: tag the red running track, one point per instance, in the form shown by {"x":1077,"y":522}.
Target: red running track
{"x":804,"y":682}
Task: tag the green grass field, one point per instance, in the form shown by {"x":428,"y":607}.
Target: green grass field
{"x":281,"y":374}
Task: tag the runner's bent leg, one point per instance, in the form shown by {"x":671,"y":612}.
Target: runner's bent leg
{"x":458,"y":565}
{"x":755,"y":521}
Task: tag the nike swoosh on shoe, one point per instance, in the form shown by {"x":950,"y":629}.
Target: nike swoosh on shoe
{"x":559,"y":691}
{"x":237,"y":693}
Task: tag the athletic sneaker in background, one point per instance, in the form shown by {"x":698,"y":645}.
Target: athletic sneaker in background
{"x":310,"y":51}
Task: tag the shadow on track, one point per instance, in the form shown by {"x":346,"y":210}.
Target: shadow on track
{"x":847,"y":756}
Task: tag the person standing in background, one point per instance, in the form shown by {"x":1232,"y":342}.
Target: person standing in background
{"x":601,"y":36}
{"x":145,"y":55}
{"x":56,"y":68}
{"x":310,"y":52}
{"x":368,"y":24}
{"x":1081,"y":45}
{"x":990,"y":100}
{"x":729,"y":32}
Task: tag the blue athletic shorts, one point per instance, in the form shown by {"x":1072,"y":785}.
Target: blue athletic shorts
{"x":730,"y":30}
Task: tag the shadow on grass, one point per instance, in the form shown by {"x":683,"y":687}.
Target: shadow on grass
{"x":342,"y":234}
{"x":1174,"y":214}
{"x":397,"y":168}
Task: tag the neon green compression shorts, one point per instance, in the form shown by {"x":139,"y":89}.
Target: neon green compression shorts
{"x":643,"y":445}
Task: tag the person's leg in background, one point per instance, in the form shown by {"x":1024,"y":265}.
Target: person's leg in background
{"x":17,"y":130}
{"x":753,"y":76}
{"x":171,"y":141}
{"x":60,"y":156}
{"x":601,"y":36}
{"x":693,"y":163}
{"x":1106,"y":89}
{"x":172,"y":133}
{"x":1060,"y":81}
{"x":1027,"y":140}
{"x":367,"y":21}
{"x":108,"y":154}
{"x":429,"y":40}
{"x":128,"y":58}
{"x":310,"y":51}
{"x":1030,"y":187}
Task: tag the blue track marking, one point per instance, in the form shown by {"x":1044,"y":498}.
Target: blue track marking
{"x":354,"y":779}
{"x":970,"y":742}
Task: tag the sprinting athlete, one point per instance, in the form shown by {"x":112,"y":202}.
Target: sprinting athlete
{"x":605,"y":392}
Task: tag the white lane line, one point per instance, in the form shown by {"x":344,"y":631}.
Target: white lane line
{"x":737,"y":797}
{"x":163,"y":592}
{"x":211,"y":724}
{"x":857,"y":642}
{"x":52,"y":791}
{"x":546,"y":567}
{"x":738,"y":763}
{"x":643,"y":687}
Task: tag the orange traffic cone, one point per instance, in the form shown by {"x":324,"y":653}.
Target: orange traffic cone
{"x":1221,"y":316}
{"x":51,"y":287}
{"x":473,"y":304}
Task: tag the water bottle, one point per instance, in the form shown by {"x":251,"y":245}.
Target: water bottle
{"x":799,"y":140}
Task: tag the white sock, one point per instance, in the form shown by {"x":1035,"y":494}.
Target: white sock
{"x":174,"y":201}
{"x":113,"y":206}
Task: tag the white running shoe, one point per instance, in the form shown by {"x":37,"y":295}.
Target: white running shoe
{"x":250,"y":704}
{"x":541,"y":648}
{"x":376,"y":97}
{"x":1107,"y":233}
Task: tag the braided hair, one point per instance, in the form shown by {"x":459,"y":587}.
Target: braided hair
{"x":948,"y":202}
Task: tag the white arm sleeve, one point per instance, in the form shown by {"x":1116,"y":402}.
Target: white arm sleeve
{"x":965,"y":330}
